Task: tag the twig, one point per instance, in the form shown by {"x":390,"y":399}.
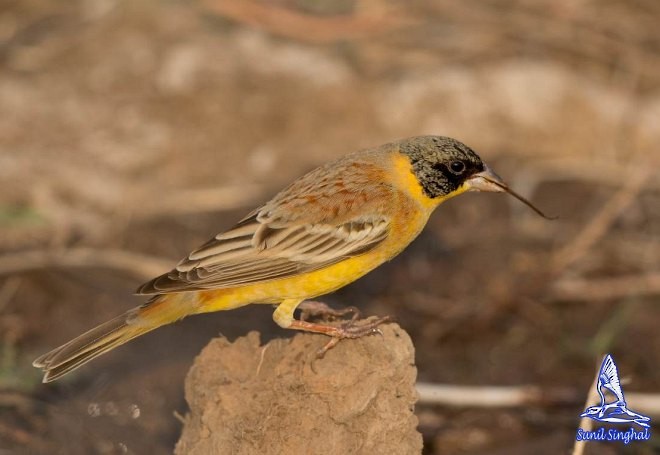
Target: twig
{"x":607,"y":288}
{"x":586,"y":423}
{"x":601,"y":222}
{"x":305,"y":27}
{"x":518,"y":396}
{"x":490,"y":396}
{"x":466,"y":396}
{"x":261,"y":358}
{"x":181,"y":418}
{"x":645,"y":403}
{"x":138,"y":264}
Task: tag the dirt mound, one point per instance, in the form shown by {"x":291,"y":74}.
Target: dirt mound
{"x":278,"y":398}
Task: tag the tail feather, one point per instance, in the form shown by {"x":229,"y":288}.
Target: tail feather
{"x":106,"y":337}
{"x":90,"y":345}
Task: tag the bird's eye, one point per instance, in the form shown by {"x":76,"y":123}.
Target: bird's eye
{"x":457,"y":167}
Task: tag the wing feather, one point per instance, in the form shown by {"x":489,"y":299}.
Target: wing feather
{"x":332,"y":213}
{"x":231,"y":260}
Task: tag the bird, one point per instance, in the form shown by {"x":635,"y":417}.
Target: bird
{"x":325,"y":230}
{"x":616,"y":411}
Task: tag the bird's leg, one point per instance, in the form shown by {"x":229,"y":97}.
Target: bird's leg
{"x":283,"y":316}
{"x":312,"y":309}
{"x":348,"y":329}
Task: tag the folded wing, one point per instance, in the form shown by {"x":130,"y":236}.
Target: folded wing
{"x":334,"y":212}
{"x":254,"y":251}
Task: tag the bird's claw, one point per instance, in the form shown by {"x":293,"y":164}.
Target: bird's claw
{"x":350,"y":329}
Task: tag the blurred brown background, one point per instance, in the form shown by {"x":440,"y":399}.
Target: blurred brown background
{"x":133,"y":131}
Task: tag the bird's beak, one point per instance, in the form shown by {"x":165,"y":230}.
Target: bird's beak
{"x":487,"y":180}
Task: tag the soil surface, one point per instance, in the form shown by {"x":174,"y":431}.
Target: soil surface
{"x":276,"y":398}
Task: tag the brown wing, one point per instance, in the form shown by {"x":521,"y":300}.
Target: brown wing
{"x":322,"y":218}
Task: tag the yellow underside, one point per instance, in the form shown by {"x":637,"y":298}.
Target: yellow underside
{"x":300,"y":287}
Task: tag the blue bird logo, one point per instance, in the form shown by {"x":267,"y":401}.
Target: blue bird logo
{"x":615,"y":411}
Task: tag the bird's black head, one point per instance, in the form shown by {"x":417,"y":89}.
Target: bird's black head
{"x":441,"y":164}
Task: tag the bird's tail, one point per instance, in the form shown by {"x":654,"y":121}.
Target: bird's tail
{"x":109,"y":335}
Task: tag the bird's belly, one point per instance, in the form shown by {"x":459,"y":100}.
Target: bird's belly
{"x":303,"y":286}
{"x":328,"y":279}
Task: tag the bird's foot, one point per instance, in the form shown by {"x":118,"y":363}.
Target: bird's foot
{"x":348,"y":329}
{"x":311,"y":309}
{"x":351,"y":329}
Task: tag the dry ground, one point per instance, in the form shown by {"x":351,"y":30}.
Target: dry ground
{"x":145,"y":127}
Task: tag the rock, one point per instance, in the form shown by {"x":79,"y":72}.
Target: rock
{"x":246,"y":398}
